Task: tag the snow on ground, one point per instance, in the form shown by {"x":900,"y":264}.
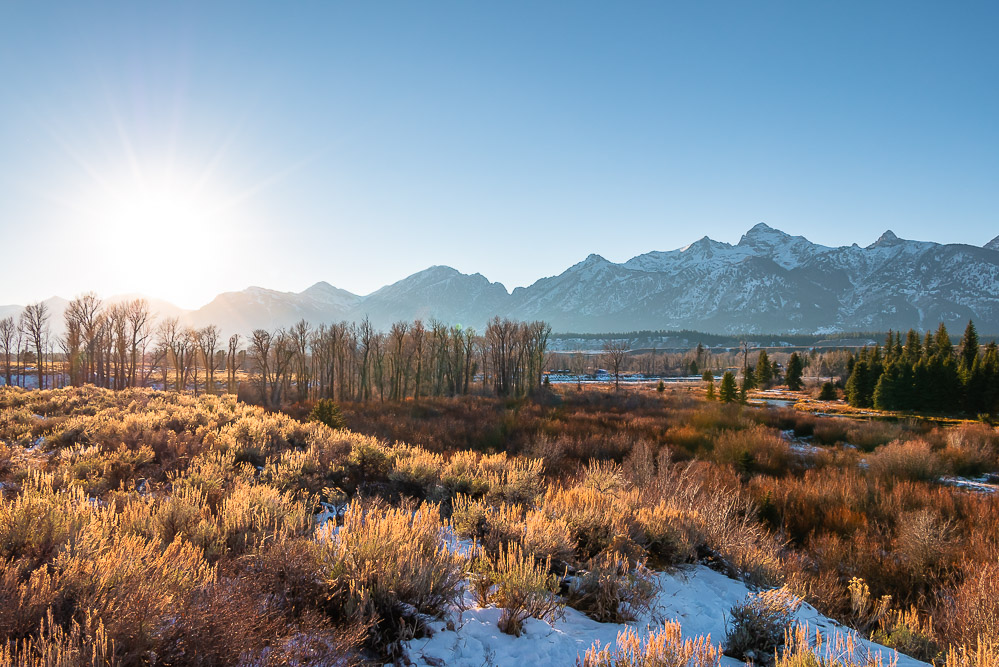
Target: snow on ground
{"x":697,"y":597}
{"x":983,"y":484}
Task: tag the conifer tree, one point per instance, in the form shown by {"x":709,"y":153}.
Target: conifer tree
{"x":913,"y":350}
{"x":764,"y":371}
{"x":942,"y":340}
{"x":795,"y":369}
{"x":709,"y":378}
{"x":727,"y":391}
{"x":969,"y":347}
{"x":856,"y":385}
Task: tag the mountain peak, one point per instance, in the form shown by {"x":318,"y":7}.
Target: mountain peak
{"x":993,"y":244}
{"x":762,"y":233}
{"x":886,"y":240}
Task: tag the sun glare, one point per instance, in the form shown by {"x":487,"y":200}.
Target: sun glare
{"x":154,"y":219}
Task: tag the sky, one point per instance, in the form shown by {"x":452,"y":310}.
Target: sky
{"x":184,"y":149}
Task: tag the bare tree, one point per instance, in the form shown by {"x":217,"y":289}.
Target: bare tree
{"x":138,"y":316}
{"x":208,"y":342}
{"x":8,"y":346}
{"x":615,"y":352}
{"x":35,"y":324}
{"x":83,"y":320}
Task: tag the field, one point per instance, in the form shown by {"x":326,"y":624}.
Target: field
{"x":140,"y":527}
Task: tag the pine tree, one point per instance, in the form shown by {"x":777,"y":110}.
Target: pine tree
{"x":942,"y":340}
{"x":856,"y":385}
{"x":795,"y":370}
{"x":969,"y":347}
{"x":327,"y":412}
{"x":709,"y":378}
{"x":764,"y":372}
{"x":913,"y":350}
{"x":727,"y":392}
{"x":828,"y":392}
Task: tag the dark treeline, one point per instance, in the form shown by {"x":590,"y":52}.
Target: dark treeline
{"x":118,"y":346}
{"x":927,"y":374}
{"x":691,"y":337}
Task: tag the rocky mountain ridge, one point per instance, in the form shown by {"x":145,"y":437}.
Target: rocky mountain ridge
{"x":769,"y":281}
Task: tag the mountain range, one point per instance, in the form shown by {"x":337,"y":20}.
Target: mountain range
{"x":768,"y":282}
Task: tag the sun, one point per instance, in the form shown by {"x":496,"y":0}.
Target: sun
{"x":160,"y":231}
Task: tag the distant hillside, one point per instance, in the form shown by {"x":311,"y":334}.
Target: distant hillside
{"x":768,"y":282}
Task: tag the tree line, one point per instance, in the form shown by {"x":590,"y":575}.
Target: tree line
{"x":927,"y":374}
{"x":120,"y":345}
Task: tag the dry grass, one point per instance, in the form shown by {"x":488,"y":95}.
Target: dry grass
{"x":661,"y":648}
{"x":521,"y":586}
{"x":212,"y":502}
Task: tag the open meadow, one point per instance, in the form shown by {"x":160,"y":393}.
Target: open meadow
{"x":140,"y":527}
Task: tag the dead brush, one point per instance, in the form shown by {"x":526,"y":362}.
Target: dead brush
{"x":660,"y":648}
{"x":982,"y":653}
{"x":759,"y":626}
{"x":519,"y":585}
{"x":667,"y":533}
{"x":905,"y":460}
{"x":130,"y":584}
{"x":540,"y":535}
{"x":388,"y":566}
{"x":807,"y":648}
{"x":83,"y":644}
{"x":612,"y":589}
{"x":597,"y":521}
{"x":254,"y":513}
{"x":911,"y":633}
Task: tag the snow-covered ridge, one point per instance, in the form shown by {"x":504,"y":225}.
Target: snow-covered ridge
{"x":768,"y":282}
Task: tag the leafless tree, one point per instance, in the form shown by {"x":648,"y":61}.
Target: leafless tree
{"x":615,"y":352}
{"x":8,"y":346}
{"x":208,"y":342}
{"x":35,"y":324}
{"x":138,"y":317}
{"x":232,"y":363}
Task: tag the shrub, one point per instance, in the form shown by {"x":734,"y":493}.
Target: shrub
{"x":666,"y":534}
{"x":597,"y":521}
{"x":520,"y":586}
{"x":610,"y":590}
{"x":905,"y":460}
{"x":909,"y":633}
{"x":755,"y":449}
{"x":254,"y":513}
{"x":661,"y":648}
{"x":805,"y":649}
{"x":389,"y":565}
{"x":82,"y":645}
{"x":129,"y":583}
{"x":983,"y":653}
{"x":759,"y":625}
{"x":540,"y":535}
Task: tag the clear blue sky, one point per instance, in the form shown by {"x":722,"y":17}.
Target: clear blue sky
{"x":359,"y":142}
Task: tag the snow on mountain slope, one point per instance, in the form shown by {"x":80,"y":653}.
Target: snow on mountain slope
{"x":768,"y":282}
{"x":697,"y":597}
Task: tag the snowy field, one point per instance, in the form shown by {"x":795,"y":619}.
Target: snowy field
{"x":697,"y":597}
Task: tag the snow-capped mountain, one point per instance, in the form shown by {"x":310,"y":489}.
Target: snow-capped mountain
{"x":768,"y":282}
{"x":771,"y":281}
